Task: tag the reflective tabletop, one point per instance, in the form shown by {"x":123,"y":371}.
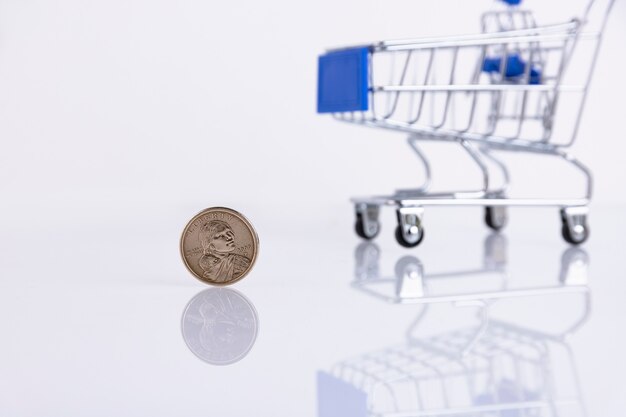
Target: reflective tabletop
{"x":104,"y":320}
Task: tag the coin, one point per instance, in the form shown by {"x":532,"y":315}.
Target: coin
{"x":219,"y":246}
{"x":220,"y":325}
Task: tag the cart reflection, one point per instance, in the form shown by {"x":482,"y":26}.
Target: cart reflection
{"x":411,"y":284}
{"x":493,"y":368}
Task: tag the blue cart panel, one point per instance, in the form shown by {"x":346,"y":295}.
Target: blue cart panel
{"x":342,"y":81}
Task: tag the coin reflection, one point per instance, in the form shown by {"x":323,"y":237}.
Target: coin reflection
{"x":220,"y":325}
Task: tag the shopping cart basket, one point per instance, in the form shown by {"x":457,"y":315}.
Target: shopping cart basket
{"x":501,"y":90}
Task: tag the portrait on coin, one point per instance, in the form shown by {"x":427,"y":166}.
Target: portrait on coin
{"x":219,"y":263}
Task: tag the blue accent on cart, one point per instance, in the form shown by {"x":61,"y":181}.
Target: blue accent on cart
{"x":342,"y":81}
{"x":515,"y":68}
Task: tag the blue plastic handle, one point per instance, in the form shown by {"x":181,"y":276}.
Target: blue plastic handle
{"x":512,"y":2}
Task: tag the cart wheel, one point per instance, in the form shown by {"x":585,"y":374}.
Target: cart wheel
{"x":410,"y":230}
{"x":577,"y":236}
{"x":496,"y":217}
{"x":410,"y":239}
{"x":368,"y":232}
{"x":574,"y":226}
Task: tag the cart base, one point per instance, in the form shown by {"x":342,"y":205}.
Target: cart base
{"x":410,"y":212}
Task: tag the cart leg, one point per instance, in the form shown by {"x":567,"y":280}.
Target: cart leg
{"x":506,"y":177}
{"x":569,"y":158}
{"x":410,"y":230}
{"x":367,"y":225}
{"x":574,"y":224}
{"x":496,"y":217}
{"x":422,"y":189}
{"x":478,"y":158}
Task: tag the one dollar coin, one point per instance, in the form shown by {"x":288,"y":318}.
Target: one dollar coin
{"x":219,"y":246}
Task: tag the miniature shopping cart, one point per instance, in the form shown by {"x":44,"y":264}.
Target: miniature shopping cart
{"x":500,"y":90}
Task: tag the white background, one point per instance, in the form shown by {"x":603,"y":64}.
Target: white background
{"x":113,"y":109}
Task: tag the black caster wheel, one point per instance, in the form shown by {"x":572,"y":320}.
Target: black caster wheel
{"x":368,"y":232}
{"x":576,"y":235}
{"x":496,"y":217}
{"x":411,"y":239}
{"x":574,"y":228}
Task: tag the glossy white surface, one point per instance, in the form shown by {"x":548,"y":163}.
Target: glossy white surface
{"x":121,"y":119}
{"x":91,"y":320}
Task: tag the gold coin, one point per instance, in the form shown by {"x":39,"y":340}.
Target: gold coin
{"x":219,"y":246}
